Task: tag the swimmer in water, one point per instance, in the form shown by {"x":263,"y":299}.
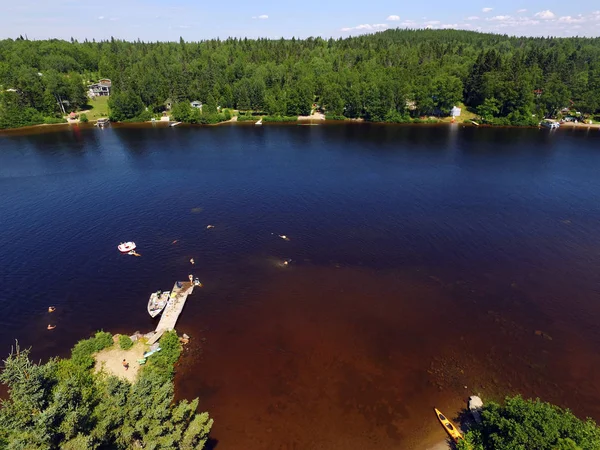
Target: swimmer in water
{"x":51,"y":309}
{"x":51,"y":327}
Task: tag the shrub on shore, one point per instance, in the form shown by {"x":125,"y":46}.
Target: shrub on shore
{"x":280,"y":118}
{"x":334,"y":117}
{"x":54,"y":120}
{"x":125,"y":342}
{"x":83,"y":118}
{"x":247,"y":118}
{"x":520,"y":424}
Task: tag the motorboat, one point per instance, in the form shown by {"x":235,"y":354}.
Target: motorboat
{"x":103,"y":122}
{"x":126,"y":247}
{"x":448,"y":426}
{"x":158,"y":301}
{"x":549,"y":124}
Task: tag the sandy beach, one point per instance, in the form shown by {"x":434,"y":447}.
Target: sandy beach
{"x":111,"y":361}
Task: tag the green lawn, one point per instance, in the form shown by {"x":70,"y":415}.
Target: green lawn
{"x":98,"y":107}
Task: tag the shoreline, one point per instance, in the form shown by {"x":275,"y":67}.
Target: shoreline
{"x":43,"y":127}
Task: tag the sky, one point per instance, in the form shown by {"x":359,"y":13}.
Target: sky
{"x":168,"y":20}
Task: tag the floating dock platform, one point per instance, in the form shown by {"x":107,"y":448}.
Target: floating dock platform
{"x":173,"y":309}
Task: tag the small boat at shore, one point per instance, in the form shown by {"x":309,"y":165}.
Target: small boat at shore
{"x":126,"y":247}
{"x":102,"y":122}
{"x":448,"y":426}
{"x":549,"y":124}
{"x":259,"y":122}
{"x":158,"y":301}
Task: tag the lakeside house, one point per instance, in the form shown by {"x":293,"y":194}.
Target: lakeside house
{"x":455,"y":111}
{"x":99,"y":89}
{"x":196,"y":104}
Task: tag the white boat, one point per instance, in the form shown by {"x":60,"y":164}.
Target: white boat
{"x":102,"y":122}
{"x":126,"y":247}
{"x":158,"y":301}
{"x":259,"y":122}
{"x":549,"y":124}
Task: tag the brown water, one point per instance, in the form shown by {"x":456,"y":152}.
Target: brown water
{"x":424,"y":260}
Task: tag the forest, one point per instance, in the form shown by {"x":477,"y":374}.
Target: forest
{"x":64,"y":404}
{"x":391,"y":76}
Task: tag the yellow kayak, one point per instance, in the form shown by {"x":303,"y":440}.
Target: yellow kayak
{"x":448,"y":426}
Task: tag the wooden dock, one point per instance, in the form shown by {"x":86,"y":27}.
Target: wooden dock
{"x":173,"y":309}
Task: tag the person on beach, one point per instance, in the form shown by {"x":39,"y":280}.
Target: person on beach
{"x":125,"y":364}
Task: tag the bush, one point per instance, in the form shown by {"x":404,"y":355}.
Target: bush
{"x":145,"y":116}
{"x":54,"y":120}
{"x":161,"y":363}
{"x":81,"y":354}
{"x":247,"y":118}
{"x":125,"y":342}
{"x":335,"y":117}
{"x":83,"y":118}
{"x":280,"y":118}
{"x":396,"y":117}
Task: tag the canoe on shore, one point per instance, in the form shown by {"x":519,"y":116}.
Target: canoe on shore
{"x":448,"y":426}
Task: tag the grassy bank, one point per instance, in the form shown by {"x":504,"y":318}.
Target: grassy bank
{"x":96,"y":108}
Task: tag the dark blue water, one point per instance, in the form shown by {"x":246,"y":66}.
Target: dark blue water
{"x":401,"y":238}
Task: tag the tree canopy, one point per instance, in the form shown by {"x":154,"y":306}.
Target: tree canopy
{"x":63,"y":404}
{"x":531,"y":424}
{"x":383,"y":76}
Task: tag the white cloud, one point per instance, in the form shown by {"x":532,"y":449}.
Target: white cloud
{"x":487,"y":10}
{"x":432,"y":22}
{"x":569,"y":19}
{"x":449,"y":25}
{"x":546,"y":15}
{"x":521,"y":11}
{"x":367,"y":27}
{"x":101,"y":18}
{"x":498,"y":19}
{"x":113,"y":19}
{"x":472,"y":18}
{"x":409,"y":24}
{"x":393,"y":18}
{"x":261,"y":17}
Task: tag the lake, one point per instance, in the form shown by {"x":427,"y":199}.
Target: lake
{"x":428,"y":263}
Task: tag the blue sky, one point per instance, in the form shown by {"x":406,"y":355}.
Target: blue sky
{"x":152,"y":20}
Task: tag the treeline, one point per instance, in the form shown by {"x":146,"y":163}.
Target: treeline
{"x":64,"y":404}
{"x":387,"y":76}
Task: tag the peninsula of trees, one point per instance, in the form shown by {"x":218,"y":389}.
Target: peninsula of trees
{"x":64,"y":404}
{"x":389,"y":76}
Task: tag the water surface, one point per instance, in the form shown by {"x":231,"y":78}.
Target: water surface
{"x":424,"y":260}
